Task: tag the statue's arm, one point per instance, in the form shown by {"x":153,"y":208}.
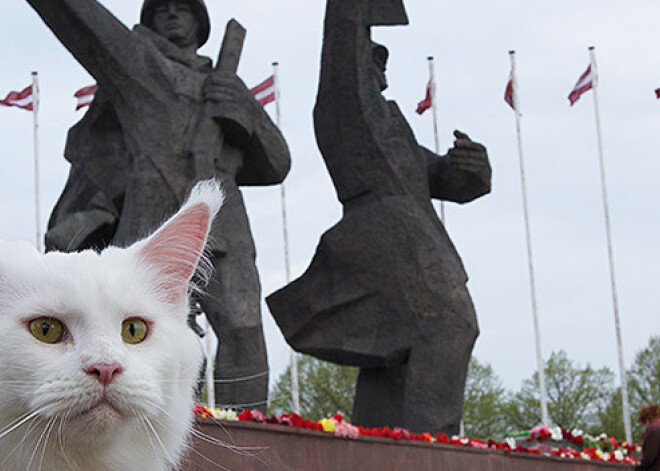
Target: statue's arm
{"x":83,"y":217}
{"x":95,"y":37}
{"x":267,"y":154}
{"x":350,"y":108}
{"x":246,"y":124}
{"x":463,"y":175}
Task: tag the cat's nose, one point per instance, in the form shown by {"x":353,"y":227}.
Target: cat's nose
{"x":104,"y":372}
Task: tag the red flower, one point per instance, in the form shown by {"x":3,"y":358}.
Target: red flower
{"x":252,"y":416}
{"x":246,"y":416}
{"x":442,"y":438}
{"x":202,"y":411}
{"x":401,"y":433}
{"x":614,"y":443}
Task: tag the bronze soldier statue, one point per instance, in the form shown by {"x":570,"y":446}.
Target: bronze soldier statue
{"x":385,"y":290}
{"x":139,"y":149}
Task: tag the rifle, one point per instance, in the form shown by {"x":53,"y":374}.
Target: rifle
{"x":208,"y":139}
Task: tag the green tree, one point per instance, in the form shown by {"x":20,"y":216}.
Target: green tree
{"x":483,"y":414}
{"x":577,"y":397}
{"x":643,"y":389}
{"x":325,"y":389}
{"x":644,"y":376}
{"x":611,"y":418}
{"x":643,"y":385}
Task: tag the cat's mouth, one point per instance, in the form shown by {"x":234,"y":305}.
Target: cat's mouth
{"x":104,"y":408}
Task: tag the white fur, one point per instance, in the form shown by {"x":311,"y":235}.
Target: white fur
{"x":92,"y":294}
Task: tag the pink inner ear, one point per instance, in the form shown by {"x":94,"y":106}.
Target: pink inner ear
{"x":175,"y":249}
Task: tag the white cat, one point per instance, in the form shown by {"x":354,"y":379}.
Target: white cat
{"x":97,"y":363}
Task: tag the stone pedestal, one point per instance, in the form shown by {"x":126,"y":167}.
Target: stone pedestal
{"x":261,"y":447}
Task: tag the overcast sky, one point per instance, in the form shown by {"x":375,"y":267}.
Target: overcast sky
{"x":470,"y":41}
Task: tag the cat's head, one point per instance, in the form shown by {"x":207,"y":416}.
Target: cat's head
{"x":94,"y":348}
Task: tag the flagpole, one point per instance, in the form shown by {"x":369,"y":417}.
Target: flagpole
{"x":295,"y":387}
{"x":610,"y":252}
{"x":435,"y":123}
{"x":35,"y":128}
{"x":532,"y":280}
{"x":210,"y":363}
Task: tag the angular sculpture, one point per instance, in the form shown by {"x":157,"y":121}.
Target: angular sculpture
{"x":163,"y":119}
{"x":385,"y":290}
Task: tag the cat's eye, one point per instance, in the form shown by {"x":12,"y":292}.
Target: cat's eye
{"x":47,"y":329}
{"x":134,"y":330}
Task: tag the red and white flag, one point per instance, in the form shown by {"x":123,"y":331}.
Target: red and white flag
{"x":85,"y":96}
{"x":264,"y":93}
{"x":508,"y":93}
{"x":584,"y":83}
{"x":427,"y":102}
{"x":23,"y":99}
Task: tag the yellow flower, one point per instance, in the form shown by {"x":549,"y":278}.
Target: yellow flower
{"x":328,"y":425}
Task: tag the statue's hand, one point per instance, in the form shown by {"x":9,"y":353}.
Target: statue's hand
{"x":232,"y":104}
{"x":226,"y":88}
{"x":469,"y":156}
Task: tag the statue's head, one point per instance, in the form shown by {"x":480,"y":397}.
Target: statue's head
{"x":191,"y":25}
{"x":380,"y":54}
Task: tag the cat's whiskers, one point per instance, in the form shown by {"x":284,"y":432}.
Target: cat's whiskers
{"x":20,"y":382}
{"x":61,"y":440}
{"x":36,"y":446}
{"x":252,"y":452}
{"x":18,"y":422}
{"x":209,"y":460}
{"x":147,"y":421}
{"x":152,"y":435}
{"x":49,"y":430}
{"x":148,"y":432}
{"x":237,"y":379}
{"x":74,"y":238}
{"x":205,"y":458}
{"x":32,"y":424}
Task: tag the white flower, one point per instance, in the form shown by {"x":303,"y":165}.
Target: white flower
{"x":555,"y":433}
{"x":225,"y":414}
{"x":618,"y":454}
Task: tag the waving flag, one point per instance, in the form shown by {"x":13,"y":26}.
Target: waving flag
{"x":85,"y":96}
{"x":508,"y":93}
{"x":584,"y":83}
{"x":264,"y":93}
{"x":427,"y":102}
{"x":23,"y":99}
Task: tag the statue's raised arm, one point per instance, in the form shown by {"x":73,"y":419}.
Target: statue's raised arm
{"x":95,"y":37}
{"x":347,"y":63}
{"x":350,"y":110}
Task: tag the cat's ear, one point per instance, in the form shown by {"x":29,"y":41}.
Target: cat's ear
{"x":174,"y":251}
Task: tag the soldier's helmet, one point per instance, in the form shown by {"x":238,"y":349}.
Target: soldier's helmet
{"x":198,"y":8}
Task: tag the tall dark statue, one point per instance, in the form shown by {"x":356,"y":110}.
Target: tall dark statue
{"x":386,"y":288}
{"x":162,"y":119}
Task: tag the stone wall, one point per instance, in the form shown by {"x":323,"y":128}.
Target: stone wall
{"x":243,"y":446}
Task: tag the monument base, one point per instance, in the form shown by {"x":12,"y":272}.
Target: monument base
{"x":248,"y":446}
